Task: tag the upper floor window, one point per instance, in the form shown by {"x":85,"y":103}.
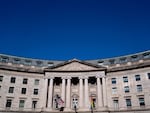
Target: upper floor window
{"x":21,"y":103}
{"x":125,"y":79}
{"x":1,"y":78}
{"x":134,"y":57}
{"x":35,"y":92}
{"x":137,"y":77}
{"x":128,"y":103}
{"x":114,"y":90}
{"x":50,"y":64}
{"x":148,"y":74}
{"x":28,"y":62}
{"x":141,"y":101}
{"x":122,"y":60}
{"x":25,"y":81}
{"x":39,"y":63}
{"x":126,"y":89}
{"x":23,"y":91}
{"x":4,"y":59}
{"x":8,"y":103}
{"x":139,"y":88}
{"x":146,"y":55}
{"x":113,"y":80}
{"x":12,"y":80}
{"x":112,"y":61}
{"x":16,"y":61}
{"x":36,"y":82}
{"x":11,"y":90}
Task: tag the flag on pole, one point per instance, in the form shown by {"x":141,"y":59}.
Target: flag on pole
{"x":59,"y":102}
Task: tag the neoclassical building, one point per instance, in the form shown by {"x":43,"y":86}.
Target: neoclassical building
{"x":113,"y":85}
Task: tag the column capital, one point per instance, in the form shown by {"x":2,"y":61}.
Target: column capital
{"x":98,"y":76}
{"x":52,"y":77}
{"x":68,"y":77}
{"x":64,"y":77}
{"x":85,"y":77}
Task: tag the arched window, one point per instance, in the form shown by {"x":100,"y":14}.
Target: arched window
{"x":75,"y":101}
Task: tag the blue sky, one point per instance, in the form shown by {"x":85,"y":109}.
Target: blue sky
{"x":66,"y":29}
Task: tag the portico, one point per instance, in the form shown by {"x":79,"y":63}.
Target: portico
{"x":76,"y":87}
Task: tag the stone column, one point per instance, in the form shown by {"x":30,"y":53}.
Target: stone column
{"x":45,"y":92}
{"x":50,"y":93}
{"x":63,"y":88}
{"x":99,"y":92}
{"x":86,"y":92}
{"x":68,"y":93}
{"x":81,"y":92}
{"x":104,"y":91}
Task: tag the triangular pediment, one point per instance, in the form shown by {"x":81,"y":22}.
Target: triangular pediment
{"x":75,"y":65}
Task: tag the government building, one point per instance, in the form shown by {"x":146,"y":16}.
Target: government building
{"x":113,"y":85}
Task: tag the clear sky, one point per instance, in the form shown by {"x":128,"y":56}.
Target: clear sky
{"x":66,"y":29}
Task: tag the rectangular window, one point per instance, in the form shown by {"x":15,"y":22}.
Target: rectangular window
{"x":141,"y":102}
{"x":128,"y":102}
{"x":8,"y":103}
{"x":21,"y":103}
{"x":137,"y":77}
{"x":148,"y":74}
{"x":113,"y":80}
{"x":125,"y":79}
{"x":1,"y":78}
{"x":11,"y":90}
{"x":34,"y":104}
{"x":25,"y":81}
{"x":116,"y":104}
{"x":126,"y":89}
{"x":139,"y":88}
{"x":36,"y":82}
{"x":12,"y":80}
{"x":114,"y":90}
{"x":35,"y":92}
{"x":23,"y":91}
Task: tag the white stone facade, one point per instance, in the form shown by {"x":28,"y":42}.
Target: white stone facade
{"x":76,"y":86}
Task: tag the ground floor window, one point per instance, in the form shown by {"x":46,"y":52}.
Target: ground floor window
{"x":116,"y":104}
{"x":34,"y":104}
{"x":21,"y":103}
{"x":141,"y":101}
{"x":128,"y":103}
{"x":8,"y":103}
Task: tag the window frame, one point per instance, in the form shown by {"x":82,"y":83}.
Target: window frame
{"x":23,"y":90}
{"x":113,"y":81}
{"x":137,"y":77}
{"x":12,"y":79}
{"x":11,"y":90}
